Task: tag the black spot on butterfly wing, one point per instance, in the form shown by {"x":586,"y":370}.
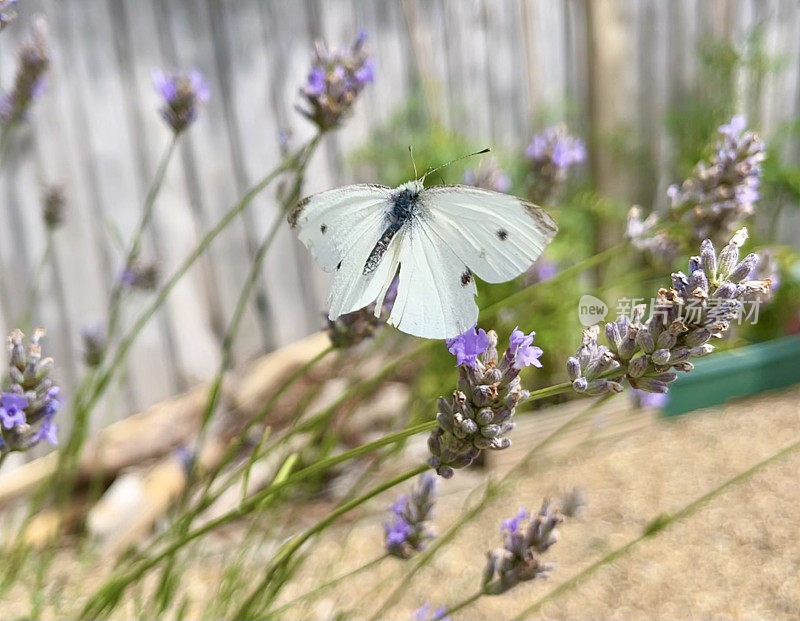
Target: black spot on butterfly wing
{"x":323,"y":228}
{"x":339,"y":265}
{"x":502,"y":234}
{"x":466,"y":278}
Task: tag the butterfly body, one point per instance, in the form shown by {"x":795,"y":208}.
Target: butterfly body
{"x":438,"y":239}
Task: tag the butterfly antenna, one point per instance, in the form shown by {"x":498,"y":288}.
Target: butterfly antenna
{"x":458,"y":159}
{"x":413,"y":163}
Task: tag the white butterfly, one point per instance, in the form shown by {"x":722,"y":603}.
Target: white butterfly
{"x":439,"y":238}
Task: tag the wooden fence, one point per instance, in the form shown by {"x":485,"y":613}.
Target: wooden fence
{"x":489,"y":66}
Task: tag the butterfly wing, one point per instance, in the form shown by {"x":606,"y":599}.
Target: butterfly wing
{"x":436,"y":293}
{"x":496,"y":235}
{"x":341,"y":227}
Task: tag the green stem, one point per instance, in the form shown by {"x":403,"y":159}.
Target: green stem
{"x":655,"y":527}
{"x":463,"y":603}
{"x":5,"y":143}
{"x":33,"y":291}
{"x":491,"y":489}
{"x":105,"y":376}
{"x":3,"y":456}
{"x":566,"y":274}
{"x":246,"y":611}
{"x":117,"y":288}
{"x":273,"y":614}
{"x":82,"y":411}
{"x":252,"y":503}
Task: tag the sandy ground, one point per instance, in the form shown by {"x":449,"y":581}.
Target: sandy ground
{"x":737,"y":557}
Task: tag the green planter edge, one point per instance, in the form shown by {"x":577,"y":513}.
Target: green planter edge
{"x":746,"y":371}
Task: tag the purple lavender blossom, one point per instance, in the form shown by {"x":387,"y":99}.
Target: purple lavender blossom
{"x":489,"y":176}
{"x":522,"y":350}
{"x":336,"y":79}
{"x":480,"y":414}
{"x":715,"y":200}
{"x":552,"y":153}
{"x":424,"y":613}
{"x":29,"y":81}
{"x":468,"y":346}
{"x":182,"y":95}
{"x":31,"y":401}
{"x":408,"y":530}
{"x":12,"y":410}
{"x":525,"y":542}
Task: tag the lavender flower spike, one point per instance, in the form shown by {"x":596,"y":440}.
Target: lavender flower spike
{"x":479,"y":415}
{"x":183,"y":95}
{"x":552,"y":153}
{"x":698,"y":307}
{"x":334,"y":83}
{"x":29,"y":82}
{"x":525,"y":541}
{"x":31,"y":400}
{"x":489,"y":176}
{"x":408,"y":531}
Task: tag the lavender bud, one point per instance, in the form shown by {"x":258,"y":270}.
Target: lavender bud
{"x":697,"y":337}
{"x":613,"y":336}
{"x":744,"y":268}
{"x":702,"y":350}
{"x":666,"y":340}
{"x":573,"y":368}
{"x":708,"y":259}
{"x":649,"y":384}
{"x":645,"y":340}
{"x":580,"y":384}
{"x":661,"y":356}
{"x":638,"y":366}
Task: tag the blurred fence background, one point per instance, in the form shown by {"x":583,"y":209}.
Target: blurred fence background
{"x":487,"y":69}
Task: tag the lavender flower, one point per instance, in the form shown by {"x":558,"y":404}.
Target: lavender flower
{"x":140,"y":275}
{"x":697,"y":308}
{"x":94,"y":344}
{"x":336,"y":79}
{"x":424,"y":613}
{"x":353,"y":328}
{"x":29,"y":401}
{"x":525,"y":541}
{"x":489,"y":176}
{"x":552,"y":153}
{"x":715,"y":200}
{"x":468,"y":346}
{"x":182,"y":96}
{"x":489,"y":389}
{"x":408,"y":530}
{"x":53,"y":204}
{"x":29,"y":82}
{"x":7,"y":13}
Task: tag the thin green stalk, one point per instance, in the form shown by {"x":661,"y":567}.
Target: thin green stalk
{"x":655,"y":527}
{"x":36,"y":282}
{"x":273,"y":614}
{"x":566,"y":274}
{"x":5,"y":143}
{"x":105,"y":376}
{"x":3,"y":456}
{"x":491,"y":490}
{"x":463,"y":603}
{"x":135,"y":246}
{"x":247,"y":610}
{"x":252,"y":503}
